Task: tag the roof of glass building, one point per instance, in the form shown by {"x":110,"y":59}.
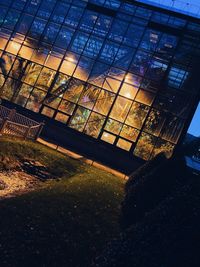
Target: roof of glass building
{"x":187,"y":7}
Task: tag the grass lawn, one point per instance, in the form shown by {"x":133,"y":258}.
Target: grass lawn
{"x":67,"y":221}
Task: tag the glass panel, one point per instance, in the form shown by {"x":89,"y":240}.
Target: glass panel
{"x":37,"y":28}
{"x":113,"y":126}
{"x":13,"y":47}
{"x":74,"y":90}
{"x":88,"y":21}
{"x":18,"y":68}
{"x":35,"y":101}
{"x":66,"y":107}
{"x":26,"y":52}
{"x":172,"y":129}
{"x":60,"y":84}
{"x":144,"y":146}
{"x":107,"y":137}
{"x":94,"y":124}
{"x":61,"y":117}
{"x":129,"y":133}
{"x":6,"y":63}
{"x":124,"y":144}
{"x":128,"y":90}
{"x":111,"y":84}
{"x":45,"y":79}
{"x":83,"y":68}
{"x":79,"y":119}
{"x":69,"y":64}
{"x":11,"y":19}
{"x":53,"y":103}
{"x":145,"y":97}
{"x":120,"y":109}
{"x":89,"y":96}
{"x":23,"y":95}
{"x":137,"y":115}
{"x":51,"y":32}
{"x":32,"y":73}
{"x":64,"y":37}
{"x":7,"y":91}
{"x":73,"y":16}
{"x":48,"y":112}
{"x":2,"y":80}
{"x":154,"y":122}
{"x":104,"y":102}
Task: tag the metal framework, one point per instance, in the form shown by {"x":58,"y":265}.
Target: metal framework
{"x":119,"y":71}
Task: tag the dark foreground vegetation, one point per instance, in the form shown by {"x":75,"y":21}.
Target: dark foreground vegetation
{"x":65,"y":222}
{"x":160,"y":218}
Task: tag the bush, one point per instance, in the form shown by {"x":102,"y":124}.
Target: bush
{"x":149,"y":186}
{"x":143,"y":170}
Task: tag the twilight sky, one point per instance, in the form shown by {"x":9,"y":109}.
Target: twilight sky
{"x":192,"y":7}
{"x":195,"y":125}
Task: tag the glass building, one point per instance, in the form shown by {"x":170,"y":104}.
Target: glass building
{"x":122,"y":72}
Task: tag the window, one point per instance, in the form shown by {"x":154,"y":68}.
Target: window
{"x":120,"y":109}
{"x":79,"y":119}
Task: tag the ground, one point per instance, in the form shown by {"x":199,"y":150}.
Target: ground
{"x":65,"y":220}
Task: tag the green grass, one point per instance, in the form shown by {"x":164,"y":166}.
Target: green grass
{"x":67,"y":222}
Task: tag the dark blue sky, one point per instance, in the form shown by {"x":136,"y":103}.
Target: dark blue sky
{"x":195,"y":125}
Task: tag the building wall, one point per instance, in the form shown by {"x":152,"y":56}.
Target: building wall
{"x":112,"y":70}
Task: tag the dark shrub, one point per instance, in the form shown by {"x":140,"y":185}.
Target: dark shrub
{"x":149,"y":186}
{"x":143,"y":170}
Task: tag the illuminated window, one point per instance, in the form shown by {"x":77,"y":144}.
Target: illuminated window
{"x":94,"y":124}
{"x":120,"y":109}
{"x":113,"y":126}
{"x":79,"y":119}
{"x":124,"y":144}
{"x":48,"y":112}
{"x":61,"y":117}
{"x":109,"y":138}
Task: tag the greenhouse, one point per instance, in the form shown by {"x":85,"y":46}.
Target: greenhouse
{"x":121,"y":72}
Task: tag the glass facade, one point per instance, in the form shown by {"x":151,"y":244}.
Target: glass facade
{"x":110,"y":69}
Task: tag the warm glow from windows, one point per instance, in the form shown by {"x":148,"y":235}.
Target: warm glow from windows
{"x":13,"y":47}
